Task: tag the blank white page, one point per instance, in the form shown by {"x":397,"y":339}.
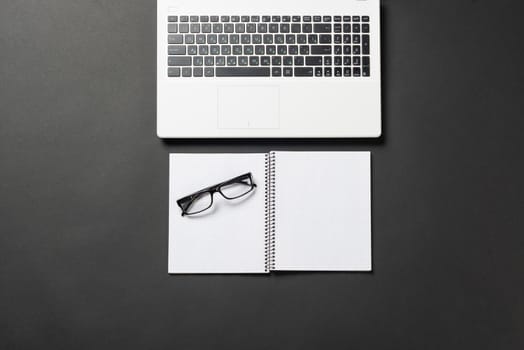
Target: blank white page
{"x":323,"y":211}
{"x":228,"y":237}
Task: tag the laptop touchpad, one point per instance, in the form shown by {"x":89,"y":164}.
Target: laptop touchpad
{"x":248,"y":107}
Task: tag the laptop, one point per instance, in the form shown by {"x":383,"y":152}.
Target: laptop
{"x":268,"y":69}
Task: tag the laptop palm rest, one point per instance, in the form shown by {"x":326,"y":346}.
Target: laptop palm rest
{"x":248,"y":107}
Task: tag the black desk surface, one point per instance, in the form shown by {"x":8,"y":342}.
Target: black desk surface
{"x":84,"y":193}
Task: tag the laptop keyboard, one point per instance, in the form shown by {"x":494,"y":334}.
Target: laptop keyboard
{"x":268,"y":46}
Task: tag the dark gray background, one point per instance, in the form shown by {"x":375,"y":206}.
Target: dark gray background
{"x":84,"y":193}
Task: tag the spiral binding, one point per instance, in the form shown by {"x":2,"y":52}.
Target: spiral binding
{"x":270,"y":211}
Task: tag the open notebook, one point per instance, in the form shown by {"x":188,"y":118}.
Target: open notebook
{"x":309,"y":211}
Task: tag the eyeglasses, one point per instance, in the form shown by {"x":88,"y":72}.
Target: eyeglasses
{"x":202,"y":200}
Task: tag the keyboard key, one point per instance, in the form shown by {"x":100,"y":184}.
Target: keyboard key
{"x":282,"y":50}
{"x":365,"y":71}
{"x":301,"y":39}
{"x":337,"y":49}
{"x":327,"y":71}
{"x":347,"y":49}
{"x":268,"y":39}
{"x":198,"y":61}
{"x":299,"y":60}
{"x":295,"y":28}
{"x":248,"y":49}
{"x":209,"y":72}
{"x":223,"y":39}
{"x":214,"y":18}
{"x":212,"y":39}
{"x":286,"y":18}
{"x":257,"y":39}
{"x":271,"y":49}
{"x":206,"y":28}
{"x":365,"y":18}
{"x":273,"y":27}
{"x":224,"y":18}
{"x":200,"y":39}
{"x":203,"y":50}
{"x":186,"y":72}
{"x":209,"y":61}
{"x":288,"y":61}
{"x":365,"y":28}
{"x":365,"y":44}
{"x":346,"y":28}
{"x":173,"y":72}
{"x":337,"y":60}
{"x":356,"y":28}
{"x":225,"y":50}
{"x":288,"y":71}
{"x":326,"y":19}
{"x":356,"y":71}
{"x":347,"y":72}
{"x":347,"y":60}
{"x":262,"y":27}
{"x":284,"y":28}
{"x":243,"y":61}
{"x":276,"y":60}
{"x":322,"y":28}
{"x":356,"y":60}
{"x":172,"y":28}
{"x":356,"y":39}
{"x":176,"y":49}
{"x":255,"y":18}
{"x":356,"y":50}
{"x":172,"y":19}
{"x":321,"y":49}
{"x":296,"y":18}
{"x":195,"y":28}
{"x":318,"y":71}
{"x":327,"y":61}
{"x":183,"y":28}
{"x":229,"y":28}
{"x":253,"y":61}
{"x":338,"y":71}
{"x":266,"y":19}
{"x":232,"y":61}
{"x":243,"y":72}
{"x":175,"y":39}
{"x":234,"y":39}
{"x":265,"y":61}
{"x":276,"y":72}
{"x":307,"y":28}
{"x":337,"y":18}
{"x":365,"y":60}
{"x":259,"y":50}
{"x":214,"y":49}
{"x":198,"y":72}
{"x":220,"y":61}
{"x":293,"y":49}
{"x":251,"y":28}
{"x":355,"y":18}
{"x":312,"y":39}
{"x":324,"y":39}
{"x":317,"y":18}
{"x":192,"y":50}
{"x":218,"y":28}
{"x":306,"y":19}
{"x":193,"y":18}
{"x":237,"y":50}
{"x":337,"y":28}
{"x":184,"y":18}
{"x":244,"y":18}
{"x":235,"y":18}
{"x":279,"y":39}
{"x":275,"y":19}
{"x":290,"y":39}
{"x":189,"y":38}
{"x":304,"y":50}
{"x":303,"y":72}
{"x":240,"y":28}
{"x":245,"y":39}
